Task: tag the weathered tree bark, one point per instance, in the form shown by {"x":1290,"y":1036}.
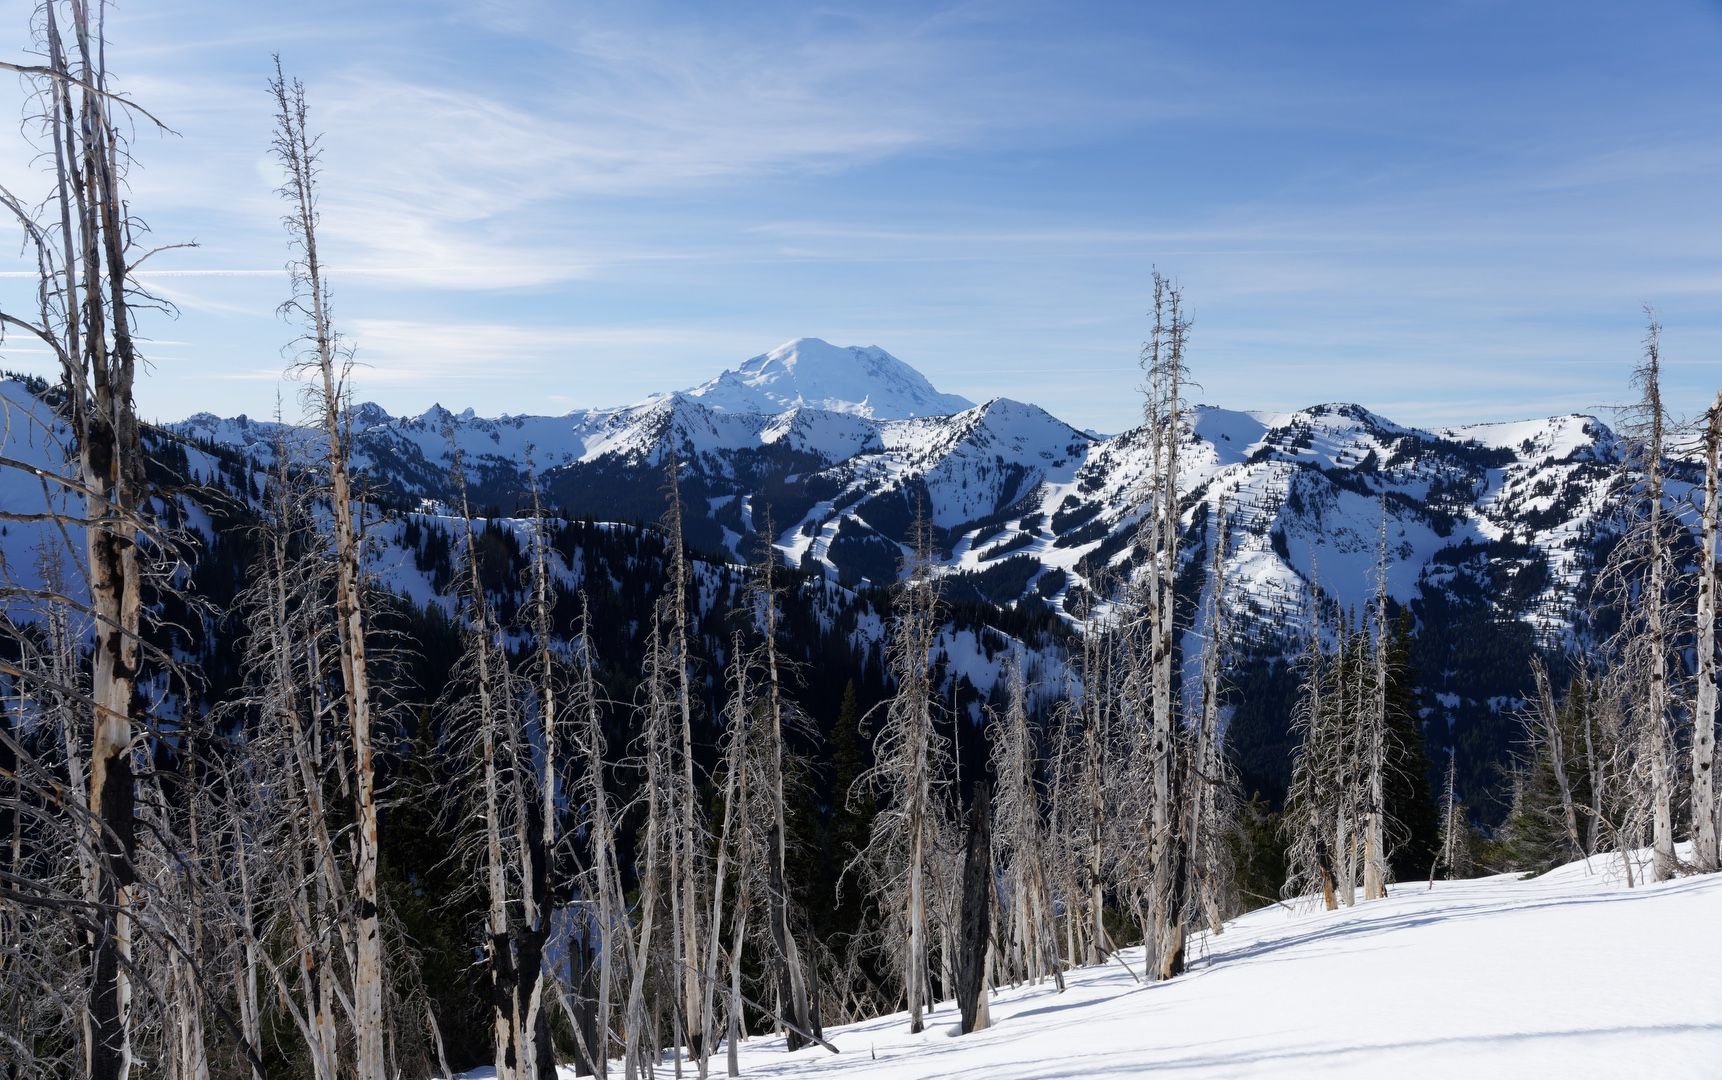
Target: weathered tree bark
{"x":738,"y":931}
{"x":94,"y":342}
{"x":1375,"y":743}
{"x":1177,"y":895}
{"x":977,"y":912}
{"x":1095,"y":698}
{"x":1705,"y":855}
{"x":1324,"y":865}
{"x":917,"y":963}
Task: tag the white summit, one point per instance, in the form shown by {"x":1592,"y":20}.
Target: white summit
{"x":810,"y":373}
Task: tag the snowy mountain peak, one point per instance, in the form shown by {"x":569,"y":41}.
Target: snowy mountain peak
{"x":863,"y":380}
{"x":368,"y":414}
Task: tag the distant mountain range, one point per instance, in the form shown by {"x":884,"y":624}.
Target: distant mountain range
{"x":1495,"y":531}
{"x":838,"y":447}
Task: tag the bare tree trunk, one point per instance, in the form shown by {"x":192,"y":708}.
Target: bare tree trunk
{"x":686,"y":854}
{"x":1375,"y":746}
{"x":91,"y":333}
{"x":791,"y":985}
{"x":1553,"y":738}
{"x":1163,"y":360}
{"x":1210,"y":778}
{"x":297,"y":152}
{"x":738,"y":924}
{"x":1095,"y":694}
{"x":916,"y":976}
{"x":1344,"y":838}
{"x":735,"y":783}
{"x":505,"y":1028}
{"x":316,"y":893}
{"x":1452,"y":824}
{"x":1704,"y":807}
{"x":1594,"y":764}
{"x":977,"y":913}
{"x":910,"y":754}
{"x":1654,"y":600}
{"x":641,"y":1045}
{"x":604,"y":877}
{"x":537,"y":1056}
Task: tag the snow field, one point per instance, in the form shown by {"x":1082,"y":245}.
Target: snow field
{"x":1567,"y":975}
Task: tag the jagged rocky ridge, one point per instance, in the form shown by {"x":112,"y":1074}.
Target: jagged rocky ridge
{"x":1495,"y":531}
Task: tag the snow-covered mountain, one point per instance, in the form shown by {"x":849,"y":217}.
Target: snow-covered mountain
{"x":843,"y":446}
{"x":1495,"y":531}
{"x":866,"y":381}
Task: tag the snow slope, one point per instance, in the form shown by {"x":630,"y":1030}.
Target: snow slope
{"x":1570,"y":975}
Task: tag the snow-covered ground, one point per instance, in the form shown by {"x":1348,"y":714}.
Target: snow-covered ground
{"x":1566,"y":975}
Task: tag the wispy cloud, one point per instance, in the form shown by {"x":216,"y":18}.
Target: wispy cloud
{"x":1430,"y":207}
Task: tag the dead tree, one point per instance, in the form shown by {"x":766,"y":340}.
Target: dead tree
{"x":300,"y":895}
{"x":1211,"y":783}
{"x":1703,"y":796}
{"x":1642,"y":569}
{"x":977,"y":915}
{"x":657,"y":743}
{"x":736,"y":812}
{"x":909,"y":775}
{"x":1163,"y":363}
{"x":1374,"y":737}
{"x":482,"y":713}
{"x":791,"y":978}
{"x":328,"y":364}
{"x":1454,"y":829}
{"x":1098,"y":707}
{"x":1316,"y":809}
{"x":1550,"y":729}
{"x":86,"y":245}
{"x":535,"y":811}
{"x":687,"y":854}
{"x":609,"y":923}
{"x":1021,"y":836}
{"x":87,"y":301}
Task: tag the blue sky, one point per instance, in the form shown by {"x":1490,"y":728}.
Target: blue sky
{"x":1445,"y":211}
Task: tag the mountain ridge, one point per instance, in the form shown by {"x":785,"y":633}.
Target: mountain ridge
{"x":1496,"y":531}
